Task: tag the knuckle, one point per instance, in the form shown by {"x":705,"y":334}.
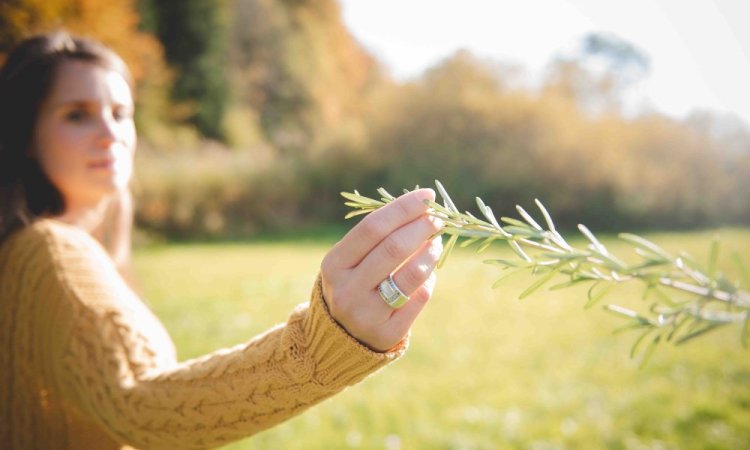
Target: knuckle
{"x":435,"y":224}
{"x":402,"y":207}
{"x":395,"y":247}
{"x":327,"y":266}
{"x":370,"y":229}
{"x":405,"y":207}
{"x":421,"y":295}
{"x":413,"y":275}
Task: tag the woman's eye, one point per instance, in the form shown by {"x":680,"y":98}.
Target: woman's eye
{"x":76,"y":115}
{"x":121,"y":114}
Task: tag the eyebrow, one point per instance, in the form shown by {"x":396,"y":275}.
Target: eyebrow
{"x":85,"y":103}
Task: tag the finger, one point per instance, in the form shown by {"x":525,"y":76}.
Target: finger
{"x":403,"y":318}
{"x":397,"y":248}
{"x":376,"y":226}
{"x":415,"y":272}
{"x":418,"y":269}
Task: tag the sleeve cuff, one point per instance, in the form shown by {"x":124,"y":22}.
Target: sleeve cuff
{"x":340,"y":359}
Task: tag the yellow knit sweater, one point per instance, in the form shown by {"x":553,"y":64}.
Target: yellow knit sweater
{"x":84,"y":364}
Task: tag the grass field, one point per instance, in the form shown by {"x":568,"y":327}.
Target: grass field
{"x":485,"y":370}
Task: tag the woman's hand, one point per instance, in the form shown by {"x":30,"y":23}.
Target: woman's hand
{"x":392,"y":240}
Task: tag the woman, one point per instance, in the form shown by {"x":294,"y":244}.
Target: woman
{"x":84,"y":363}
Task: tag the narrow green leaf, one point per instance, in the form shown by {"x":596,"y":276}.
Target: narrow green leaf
{"x":500,"y":280}
{"x":637,"y":343}
{"x":649,"y":263}
{"x":590,"y":236}
{"x":360,"y":199}
{"x":386,"y":194}
{"x":744,"y":334}
{"x":677,"y":327}
{"x":742,"y":269}
{"x":528,"y":232}
{"x":537,"y":284}
{"x":545,"y":214}
{"x":446,"y":198}
{"x":490,"y":216}
{"x":649,"y":352}
{"x":725,"y":285}
{"x":619,"y":310}
{"x":438,"y":207}
{"x":633,"y":325}
{"x":594,"y":295}
{"x":699,"y":332}
{"x":645,"y":244}
{"x":691,"y":262}
{"x":564,"y":256}
{"x":486,"y":243}
{"x":569,"y":283}
{"x":713,"y":257}
{"x":516,"y":222}
{"x":358,"y":212}
{"x":613,"y":263}
{"x":482,"y":207}
{"x":447,"y":250}
{"x":505,"y":263}
{"x":519,"y":251}
{"x":468,"y":242}
{"x":465,"y":232}
{"x":528,"y":218}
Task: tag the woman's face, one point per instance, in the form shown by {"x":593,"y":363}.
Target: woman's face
{"x":84,"y":138}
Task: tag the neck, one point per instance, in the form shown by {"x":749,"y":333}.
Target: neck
{"x":87,"y":217}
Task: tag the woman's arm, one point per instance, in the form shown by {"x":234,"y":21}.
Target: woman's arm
{"x":108,"y":367}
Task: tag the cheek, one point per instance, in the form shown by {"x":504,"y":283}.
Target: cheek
{"x":60,"y":157}
{"x":126,"y":159}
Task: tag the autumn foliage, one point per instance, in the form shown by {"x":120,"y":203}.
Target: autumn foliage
{"x":301,"y":112}
{"x":115,"y":22}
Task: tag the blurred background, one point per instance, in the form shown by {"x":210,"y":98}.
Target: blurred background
{"x":254,"y":114}
{"x":626,"y":116}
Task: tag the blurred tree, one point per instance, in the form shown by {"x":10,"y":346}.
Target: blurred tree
{"x":296,"y":64}
{"x":461,"y":124}
{"x":619,"y":58}
{"x":598,"y":72}
{"x":114,"y":22}
{"x":193,"y":33}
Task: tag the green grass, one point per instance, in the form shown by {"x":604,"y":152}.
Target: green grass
{"x":485,"y":370}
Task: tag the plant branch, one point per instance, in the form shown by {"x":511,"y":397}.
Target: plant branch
{"x":701,"y":299}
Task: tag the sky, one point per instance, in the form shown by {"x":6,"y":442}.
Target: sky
{"x":699,"y":50}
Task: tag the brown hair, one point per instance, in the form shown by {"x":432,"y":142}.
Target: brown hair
{"x":25,"y":81}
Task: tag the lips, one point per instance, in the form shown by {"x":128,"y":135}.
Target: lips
{"x":108,"y":163}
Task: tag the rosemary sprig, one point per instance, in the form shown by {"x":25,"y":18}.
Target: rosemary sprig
{"x":707,"y":301}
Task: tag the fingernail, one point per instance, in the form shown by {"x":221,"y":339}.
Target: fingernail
{"x":437,"y":221}
{"x":437,"y":245}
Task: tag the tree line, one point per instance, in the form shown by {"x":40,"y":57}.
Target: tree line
{"x":254,"y":114}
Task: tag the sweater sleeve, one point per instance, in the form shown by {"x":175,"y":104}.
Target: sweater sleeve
{"x":106,"y":367}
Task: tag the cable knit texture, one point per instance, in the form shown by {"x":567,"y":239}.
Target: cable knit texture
{"x":84,"y":364}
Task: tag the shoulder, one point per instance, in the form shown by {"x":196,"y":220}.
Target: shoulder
{"x":48,"y":232}
{"x":50,"y":241}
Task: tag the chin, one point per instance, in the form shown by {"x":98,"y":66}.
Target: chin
{"x":105,"y":191}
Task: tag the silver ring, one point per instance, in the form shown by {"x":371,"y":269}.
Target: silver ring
{"x":391,"y":294}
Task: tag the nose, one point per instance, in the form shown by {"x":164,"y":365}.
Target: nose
{"x":108,"y":130}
